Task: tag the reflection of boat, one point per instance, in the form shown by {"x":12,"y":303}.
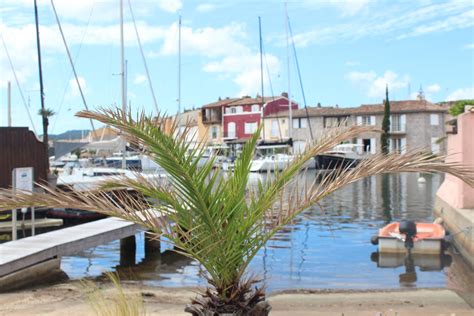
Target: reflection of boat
{"x":410,"y":261}
{"x":423,"y":238}
{"x":424,"y":262}
{"x":341,"y":156}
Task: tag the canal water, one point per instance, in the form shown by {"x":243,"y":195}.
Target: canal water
{"x":326,"y":247}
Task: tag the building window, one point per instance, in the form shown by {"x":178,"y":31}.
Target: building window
{"x":275,"y":128}
{"x":250,"y":128}
{"x":366,"y":120}
{"x":239,"y":109}
{"x":335,"y":121}
{"x":255,"y":108}
{"x":233,"y":110}
{"x":397,"y":123}
{"x":300,"y":122}
{"x":397,"y":145}
{"x":214,"y":132}
{"x":434,"y":119}
{"x":231,"y":130}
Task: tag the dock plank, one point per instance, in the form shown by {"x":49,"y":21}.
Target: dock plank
{"x":22,"y":253}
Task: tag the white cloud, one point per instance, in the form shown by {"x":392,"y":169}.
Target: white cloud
{"x":73,"y":89}
{"x":460,"y":21}
{"x":206,"y":7}
{"x":469,"y":46}
{"x":207,"y":41}
{"x":245,"y":71}
{"x":375,"y":85}
{"x":139,"y":79}
{"x":434,"y":88}
{"x":393,"y":22}
{"x":461,"y":94}
{"x":346,"y":8}
{"x":171,"y":6}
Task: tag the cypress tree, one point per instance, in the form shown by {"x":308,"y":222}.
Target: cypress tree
{"x":384,"y":138}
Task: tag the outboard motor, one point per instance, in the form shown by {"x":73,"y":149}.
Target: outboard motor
{"x":409,"y":229}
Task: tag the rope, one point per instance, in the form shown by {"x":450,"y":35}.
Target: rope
{"x":71,"y":62}
{"x":143,"y":57}
{"x":71,"y":72}
{"x":18,"y":85}
{"x":271,"y":89}
{"x":299,"y":76}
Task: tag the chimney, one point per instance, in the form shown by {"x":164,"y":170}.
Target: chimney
{"x":284,"y":94}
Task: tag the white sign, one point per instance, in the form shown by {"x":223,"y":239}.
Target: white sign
{"x":23,"y":179}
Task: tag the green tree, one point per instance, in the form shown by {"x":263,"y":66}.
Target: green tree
{"x":216,"y":219}
{"x":458,"y":107}
{"x":385,"y":136}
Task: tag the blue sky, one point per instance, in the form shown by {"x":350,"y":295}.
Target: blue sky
{"x":348,"y":51}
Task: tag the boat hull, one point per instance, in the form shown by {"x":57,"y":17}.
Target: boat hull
{"x":422,"y":246}
{"x":325,"y":162}
{"x":429,"y":239}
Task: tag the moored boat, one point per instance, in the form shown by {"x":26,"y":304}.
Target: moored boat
{"x":420,"y":238}
{"x":341,"y":156}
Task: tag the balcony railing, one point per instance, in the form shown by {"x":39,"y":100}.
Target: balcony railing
{"x":230,"y":135}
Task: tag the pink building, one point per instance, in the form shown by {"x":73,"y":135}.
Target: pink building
{"x":242,"y":117}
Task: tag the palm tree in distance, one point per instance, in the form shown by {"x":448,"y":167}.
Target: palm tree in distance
{"x":45,"y":115}
{"x":216,"y":219}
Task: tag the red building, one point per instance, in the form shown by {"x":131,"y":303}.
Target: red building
{"x":241,"y":118}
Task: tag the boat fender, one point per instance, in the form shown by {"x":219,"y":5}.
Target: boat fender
{"x":374,"y":240}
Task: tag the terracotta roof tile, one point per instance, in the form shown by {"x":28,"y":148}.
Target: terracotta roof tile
{"x":251,"y":101}
{"x":409,"y":106}
{"x":219,"y":103}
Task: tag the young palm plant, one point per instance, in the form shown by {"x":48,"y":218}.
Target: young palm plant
{"x":217,"y":219}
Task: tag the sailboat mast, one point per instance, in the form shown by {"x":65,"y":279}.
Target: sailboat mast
{"x":122,"y":76}
{"x":179,"y":65}
{"x":261,"y":73}
{"x":290,"y":114}
{"x":43,"y":114}
{"x":9,"y":104}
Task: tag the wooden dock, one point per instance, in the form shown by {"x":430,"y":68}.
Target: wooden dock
{"x":27,"y":252}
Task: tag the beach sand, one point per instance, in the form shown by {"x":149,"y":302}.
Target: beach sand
{"x":70,"y":298}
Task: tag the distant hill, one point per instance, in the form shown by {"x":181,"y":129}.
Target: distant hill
{"x":72,"y":134}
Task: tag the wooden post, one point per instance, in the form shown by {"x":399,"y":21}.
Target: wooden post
{"x":128,"y":250}
{"x":152,"y":246}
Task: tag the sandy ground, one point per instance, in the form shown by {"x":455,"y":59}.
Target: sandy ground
{"x":70,"y":299}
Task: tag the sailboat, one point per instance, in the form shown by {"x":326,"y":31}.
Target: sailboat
{"x":276,"y":157}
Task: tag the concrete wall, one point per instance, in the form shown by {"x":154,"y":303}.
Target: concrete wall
{"x":460,"y":149}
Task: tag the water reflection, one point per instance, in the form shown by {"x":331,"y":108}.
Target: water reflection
{"x":327,"y":246}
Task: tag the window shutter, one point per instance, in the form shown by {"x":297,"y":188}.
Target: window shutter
{"x":373,"y":146}
{"x":403,"y":145}
{"x":403,"y":120}
{"x":359,"y":120}
{"x":372,"y":120}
